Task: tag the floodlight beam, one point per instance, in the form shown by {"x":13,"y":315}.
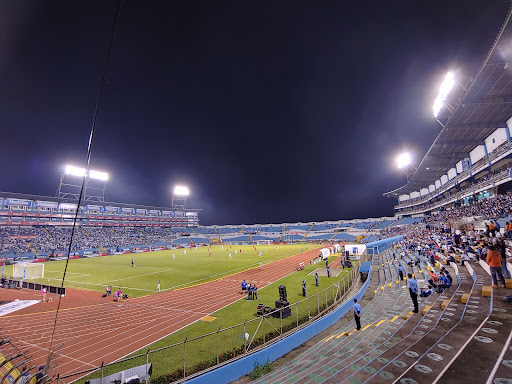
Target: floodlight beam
{"x":94,"y":183}
{"x":444,"y":90}
{"x":75,"y":171}
{"x":103,"y":176}
{"x":403,"y":160}
{"x":180,"y":190}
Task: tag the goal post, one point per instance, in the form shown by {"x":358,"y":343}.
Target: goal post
{"x":28,"y":270}
{"x":263,"y":242}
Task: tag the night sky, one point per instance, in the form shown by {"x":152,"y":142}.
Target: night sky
{"x":270,"y":111}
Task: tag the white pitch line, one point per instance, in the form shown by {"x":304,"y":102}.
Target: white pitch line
{"x":145,"y":274}
{"x":101,"y":284}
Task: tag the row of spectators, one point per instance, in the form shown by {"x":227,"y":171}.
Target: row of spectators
{"x":493,"y":207}
{"x":21,"y":240}
{"x":471,"y":185}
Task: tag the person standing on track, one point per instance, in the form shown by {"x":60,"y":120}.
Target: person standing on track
{"x":413,"y":291}
{"x":158,"y":286}
{"x":357,"y":314}
{"x":118,"y":295}
{"x":261,"y":264}
{"x":43,"y":295}
{"x":317,"y":280}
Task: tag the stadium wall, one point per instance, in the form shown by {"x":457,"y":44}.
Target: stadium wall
{"x":244,"y":366}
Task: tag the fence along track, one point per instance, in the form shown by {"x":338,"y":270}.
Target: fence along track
{"x":194,"y":356}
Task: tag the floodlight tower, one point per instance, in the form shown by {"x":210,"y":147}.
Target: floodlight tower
{"x":71,"y":180}
{"x":179,"y":197}
{"x":445,"y":90}
{"x":404,"y":162}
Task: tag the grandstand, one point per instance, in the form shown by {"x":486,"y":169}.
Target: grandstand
{"x":463,"y":180}
{"x":461,"y":184}
{"x":470,"y":159}
{"x":40,"y":226}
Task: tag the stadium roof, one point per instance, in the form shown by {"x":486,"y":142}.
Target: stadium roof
{"x":476,"y":110}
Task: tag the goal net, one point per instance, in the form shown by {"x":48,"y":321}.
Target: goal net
{"x":28,"y":270}
{"x":262,"y":242}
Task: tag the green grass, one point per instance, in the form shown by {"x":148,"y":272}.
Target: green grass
{"x":202,"y":352}
{"x":260,"y":370}
{"x":194,"y":267}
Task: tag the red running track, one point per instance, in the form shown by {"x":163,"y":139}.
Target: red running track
{"x":108,"y":331}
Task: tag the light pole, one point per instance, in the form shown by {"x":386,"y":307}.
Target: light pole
{"x":404,"y":162}
{"x":94,"y":185}
{"x":179,"y":197}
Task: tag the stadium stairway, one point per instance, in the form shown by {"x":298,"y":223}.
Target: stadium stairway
{"x":34,"y":251}
{"x":282,"y":232}
{"x":337,"y":350}
{"x":48,"y":232}
{"x":489,"y":340}
{"x":416,"y":349}
{"x":86,"y":233}
{"x":397,"y":222}
{"x":335,"y":233}
{"x":169,"y":238}
{"x":307,"y":232}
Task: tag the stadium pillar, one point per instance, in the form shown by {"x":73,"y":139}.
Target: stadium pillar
{"x":507,"y":131}
{"x":485,"y":150}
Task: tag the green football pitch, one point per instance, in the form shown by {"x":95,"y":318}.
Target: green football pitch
{"x":189,"y":266}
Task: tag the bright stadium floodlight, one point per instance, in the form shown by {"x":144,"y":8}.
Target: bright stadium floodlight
{"x":75,"y":171}
{"x":179,"y":197}
{"x":444,"y":90}
{"x":180,"y":190}
{"x":405,"y":163}
{"x":93,"y":184}
{"x":103,"y":176}
{"x":403,"y":160}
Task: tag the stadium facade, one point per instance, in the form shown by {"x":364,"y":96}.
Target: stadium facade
{"x":39,"y":227}
{"x":471,"y":157}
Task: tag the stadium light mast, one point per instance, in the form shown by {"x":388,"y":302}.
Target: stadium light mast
{"x":450,"y":80}
{"x":179,"y":197}
{"x":71,"y":183}
{"x":404,"y":163}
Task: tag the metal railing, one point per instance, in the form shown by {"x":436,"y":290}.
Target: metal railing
{"x":477,"y":167}
{"x":467,"y":191}
{"x":193,"y":356}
